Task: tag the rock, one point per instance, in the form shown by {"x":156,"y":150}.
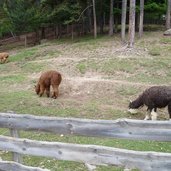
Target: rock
{"x":167,"y":32}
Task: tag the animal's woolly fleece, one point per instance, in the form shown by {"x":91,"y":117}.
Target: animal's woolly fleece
{"x":154,"y":97}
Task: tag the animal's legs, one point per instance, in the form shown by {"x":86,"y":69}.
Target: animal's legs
{"x":48,"y":91}
{"x":55,"y":91}
{"x":147,"y":116}
{"x":154,"y":114}
{"x":169,"y":110}
{"x":42,"y":89}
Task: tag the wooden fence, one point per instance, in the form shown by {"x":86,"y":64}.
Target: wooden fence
{"x":45,"y":33}
{"x":91,"y":154}
{"x":25,"y":40}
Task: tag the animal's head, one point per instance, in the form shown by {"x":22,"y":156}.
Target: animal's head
{"x":132,"y":107}
{"x":3,"y":57}
{"x":37,"y":88}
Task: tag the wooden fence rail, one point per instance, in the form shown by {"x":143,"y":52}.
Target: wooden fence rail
{"x":121,"y":128}
{"x":13,"y":166}
{"x":92,"y":154}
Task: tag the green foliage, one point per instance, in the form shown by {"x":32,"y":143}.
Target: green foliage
{"x":24,"y":15}
{"x":155,"y":7}
{"x":19,"y":16}
{"x":65,"y":13}
{"x":117,"y":11}
{"x":5,"y":26}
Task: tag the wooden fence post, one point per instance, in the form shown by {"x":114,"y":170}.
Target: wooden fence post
{"x":25,"y":41}
{"x":16,"y":156}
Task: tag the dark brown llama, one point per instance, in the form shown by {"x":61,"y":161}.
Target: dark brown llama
{"x":154,"y":97}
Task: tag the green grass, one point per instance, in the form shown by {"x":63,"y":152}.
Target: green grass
{"x":166,"y":40}
{"x":17,"y":90}
{"x":127,"y":90}
{"x":155,"y":52}
{"x":27,"y":54}
{"x":9,"y":79}
{"x":32,"y":67}
{"x":81,"y":67}
{"x":153,"y":70}
{"x":109,"y":66}
{"x":20,"y":103}
{"x":127,"y":65}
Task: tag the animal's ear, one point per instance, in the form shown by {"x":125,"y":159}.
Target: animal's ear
{"x":130,"y":101}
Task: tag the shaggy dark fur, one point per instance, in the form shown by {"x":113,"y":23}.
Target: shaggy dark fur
{"x":154,"y":97}
{"x":47,"y":79}
{"x":3,"y":57}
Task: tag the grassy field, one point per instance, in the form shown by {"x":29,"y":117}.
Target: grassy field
{"x":99,"y":78}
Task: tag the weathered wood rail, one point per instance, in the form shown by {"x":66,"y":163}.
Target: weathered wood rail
{"x":92,"y":154}
{"x":121,"y":128}
{"x":13,"y":166}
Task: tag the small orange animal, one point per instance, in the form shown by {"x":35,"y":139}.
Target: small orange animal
{"x":3,"y":57}
{"x":47,"y":79}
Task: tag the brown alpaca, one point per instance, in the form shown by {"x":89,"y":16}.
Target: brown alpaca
{"x":3,"y":57}
{"x":47,"y":79}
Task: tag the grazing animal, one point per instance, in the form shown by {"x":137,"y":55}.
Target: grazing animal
{"x":3,"y":57}
{"x":154,"y":97}
{"x":47,"y":79}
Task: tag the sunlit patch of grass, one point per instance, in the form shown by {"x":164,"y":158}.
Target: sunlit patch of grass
{"x":47,"y":53}
{"x":155,"y":52}
{"x":124,"y":65}
{"x":166,"y":40}
{"x":150,"y":79}
{"x":27,"y":54}
{"x":9,"y":79}
{"x":127,"y":90}
{"x":30,"y":67}
{"x":14,"y":101}
{"x":109,"y":66}
{"x":81,"y":67}
{"x":9,"y":68}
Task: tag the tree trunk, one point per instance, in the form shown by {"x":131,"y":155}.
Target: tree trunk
{"x":168,"y":14}
{"x":42,"y":32}
{"x":116,"y":17}
{"x":59,"y":30}
{"x":131,"y":33}
{"x":123,"y":22}
{"x":94,"y":16}
{"x":141,"y":18}
{"x":111,"y":19}
{"x":56,"y":31}
{"x":89,"y":17}
{"x":101,"y":24}
{"x":104,"y":19}
{"x":72,"y":31}
{"x":137,"y":21}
